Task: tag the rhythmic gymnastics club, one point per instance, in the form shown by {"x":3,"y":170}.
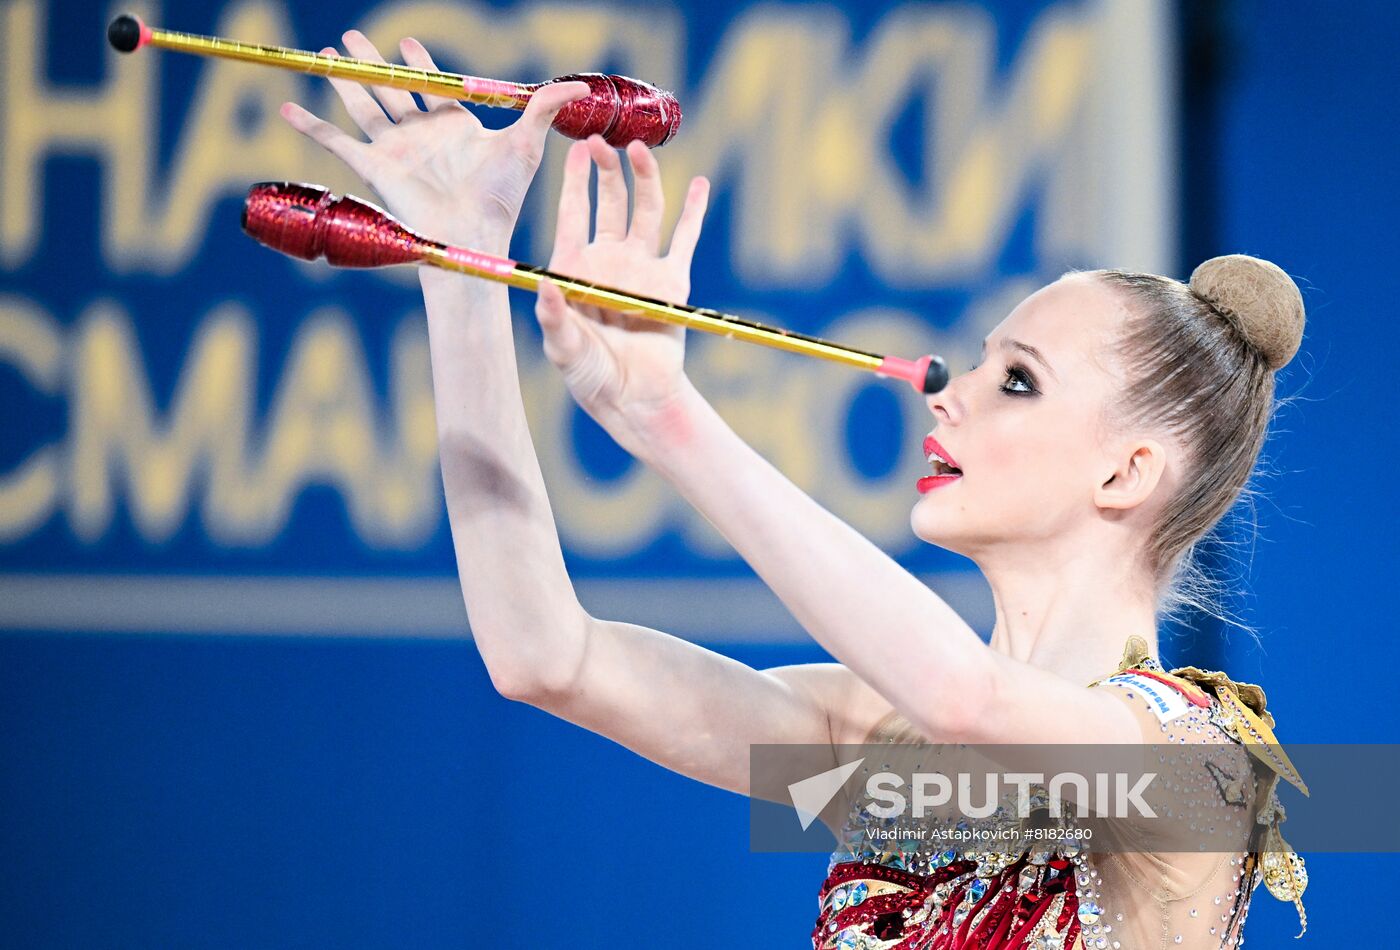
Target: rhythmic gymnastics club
{"x":309,"y":222}
{"x":618,"y":108}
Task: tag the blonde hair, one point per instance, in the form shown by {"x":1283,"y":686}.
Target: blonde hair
{"x":1200,"y":359}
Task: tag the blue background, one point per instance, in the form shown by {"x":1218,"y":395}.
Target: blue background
{"x":224,"y":791}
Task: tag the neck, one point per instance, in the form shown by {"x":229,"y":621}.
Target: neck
{"x":1069,"y":613}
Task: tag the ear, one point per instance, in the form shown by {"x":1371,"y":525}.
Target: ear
{"x":1141,"y":465}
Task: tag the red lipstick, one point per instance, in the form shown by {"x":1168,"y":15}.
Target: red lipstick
{"x":945,"y":467}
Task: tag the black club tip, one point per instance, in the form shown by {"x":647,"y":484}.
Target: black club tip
{"x":936,"y":376}
{"x":124,"y":33}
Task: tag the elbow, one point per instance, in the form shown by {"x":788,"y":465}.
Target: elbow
{"x":518,"y":685}
{"x":539,"y":678}
{"x":528,"y":684}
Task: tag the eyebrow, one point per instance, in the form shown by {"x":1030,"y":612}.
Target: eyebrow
{"x":1029,"y":350}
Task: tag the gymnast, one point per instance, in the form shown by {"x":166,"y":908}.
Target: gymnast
{"x":1113,"y":419}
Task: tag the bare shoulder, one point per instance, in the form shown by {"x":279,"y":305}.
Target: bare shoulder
{"x":851,"y":705}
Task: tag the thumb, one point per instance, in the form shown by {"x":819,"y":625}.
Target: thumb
{"x":564,"y":339}
{"x":545,"y":103}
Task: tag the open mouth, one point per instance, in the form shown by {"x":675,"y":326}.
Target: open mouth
{"x":941,"y":467}
{"x":945,"y":467}
{"x":939,"y":458}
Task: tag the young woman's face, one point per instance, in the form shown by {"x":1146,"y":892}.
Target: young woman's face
{"x":1026,"y":426}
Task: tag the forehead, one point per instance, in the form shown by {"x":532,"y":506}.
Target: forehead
{"x":1074,"y":322}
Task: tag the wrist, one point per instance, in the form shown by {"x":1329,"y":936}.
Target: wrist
{"x":466,"y":227}
{"x":495,"y":241}
{"x":669,"y":429}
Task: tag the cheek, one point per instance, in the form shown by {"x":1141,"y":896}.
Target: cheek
{"x":1032,"y":467}
{"x":1012,"y":452}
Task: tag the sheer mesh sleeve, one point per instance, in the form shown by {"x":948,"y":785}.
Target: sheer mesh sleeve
{"x":1160,"y":898}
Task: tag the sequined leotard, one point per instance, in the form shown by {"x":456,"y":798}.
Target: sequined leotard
{"x":884,"y":894}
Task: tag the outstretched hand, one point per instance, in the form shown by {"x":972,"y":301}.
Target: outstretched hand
{"x":437,"y":169}
{"x":623,"y":370}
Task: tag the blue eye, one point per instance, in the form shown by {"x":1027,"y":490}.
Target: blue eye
{"x":1024,"y":385}
{"x":1019,"y":381}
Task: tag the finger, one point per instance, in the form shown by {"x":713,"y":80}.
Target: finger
{"x":571,"y":230}
{"x":612,"y":190}
{"x":687,"y":232}
{"x":564,"y":340}
{"x":649,"y":203}
{"x":527,"y":134}
{"x":415,"y":55}
{"x":360,"y":105}
{"x":397,"y":102}
{"x":332,"y":138}
{"x":545,"y":103}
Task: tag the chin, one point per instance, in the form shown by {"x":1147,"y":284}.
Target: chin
{"x":935,"y":528}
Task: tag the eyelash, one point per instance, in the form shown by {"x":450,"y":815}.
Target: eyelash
{"x":1019,"y":373}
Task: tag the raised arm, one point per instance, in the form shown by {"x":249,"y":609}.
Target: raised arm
{"x":880,"y":621}
{"x":687,"y":708}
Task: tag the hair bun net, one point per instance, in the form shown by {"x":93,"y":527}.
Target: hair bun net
{"x":1258,"y":298}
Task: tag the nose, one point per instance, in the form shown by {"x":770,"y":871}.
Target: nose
{"x":946,"y":404}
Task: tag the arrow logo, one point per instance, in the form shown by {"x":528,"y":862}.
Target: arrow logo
{"x":811,"y":795}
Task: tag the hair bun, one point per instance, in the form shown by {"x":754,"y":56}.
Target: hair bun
{"x":1259,"y":299}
